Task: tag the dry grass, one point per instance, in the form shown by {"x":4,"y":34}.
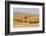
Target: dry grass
{"x":24,"y":20}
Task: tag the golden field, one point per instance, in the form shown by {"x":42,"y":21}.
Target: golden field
{"x":25,"y":20}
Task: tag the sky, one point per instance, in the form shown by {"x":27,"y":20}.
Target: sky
{"x":34,"y":11}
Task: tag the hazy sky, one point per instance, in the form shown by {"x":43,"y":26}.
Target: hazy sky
{"x":34,"y":11}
